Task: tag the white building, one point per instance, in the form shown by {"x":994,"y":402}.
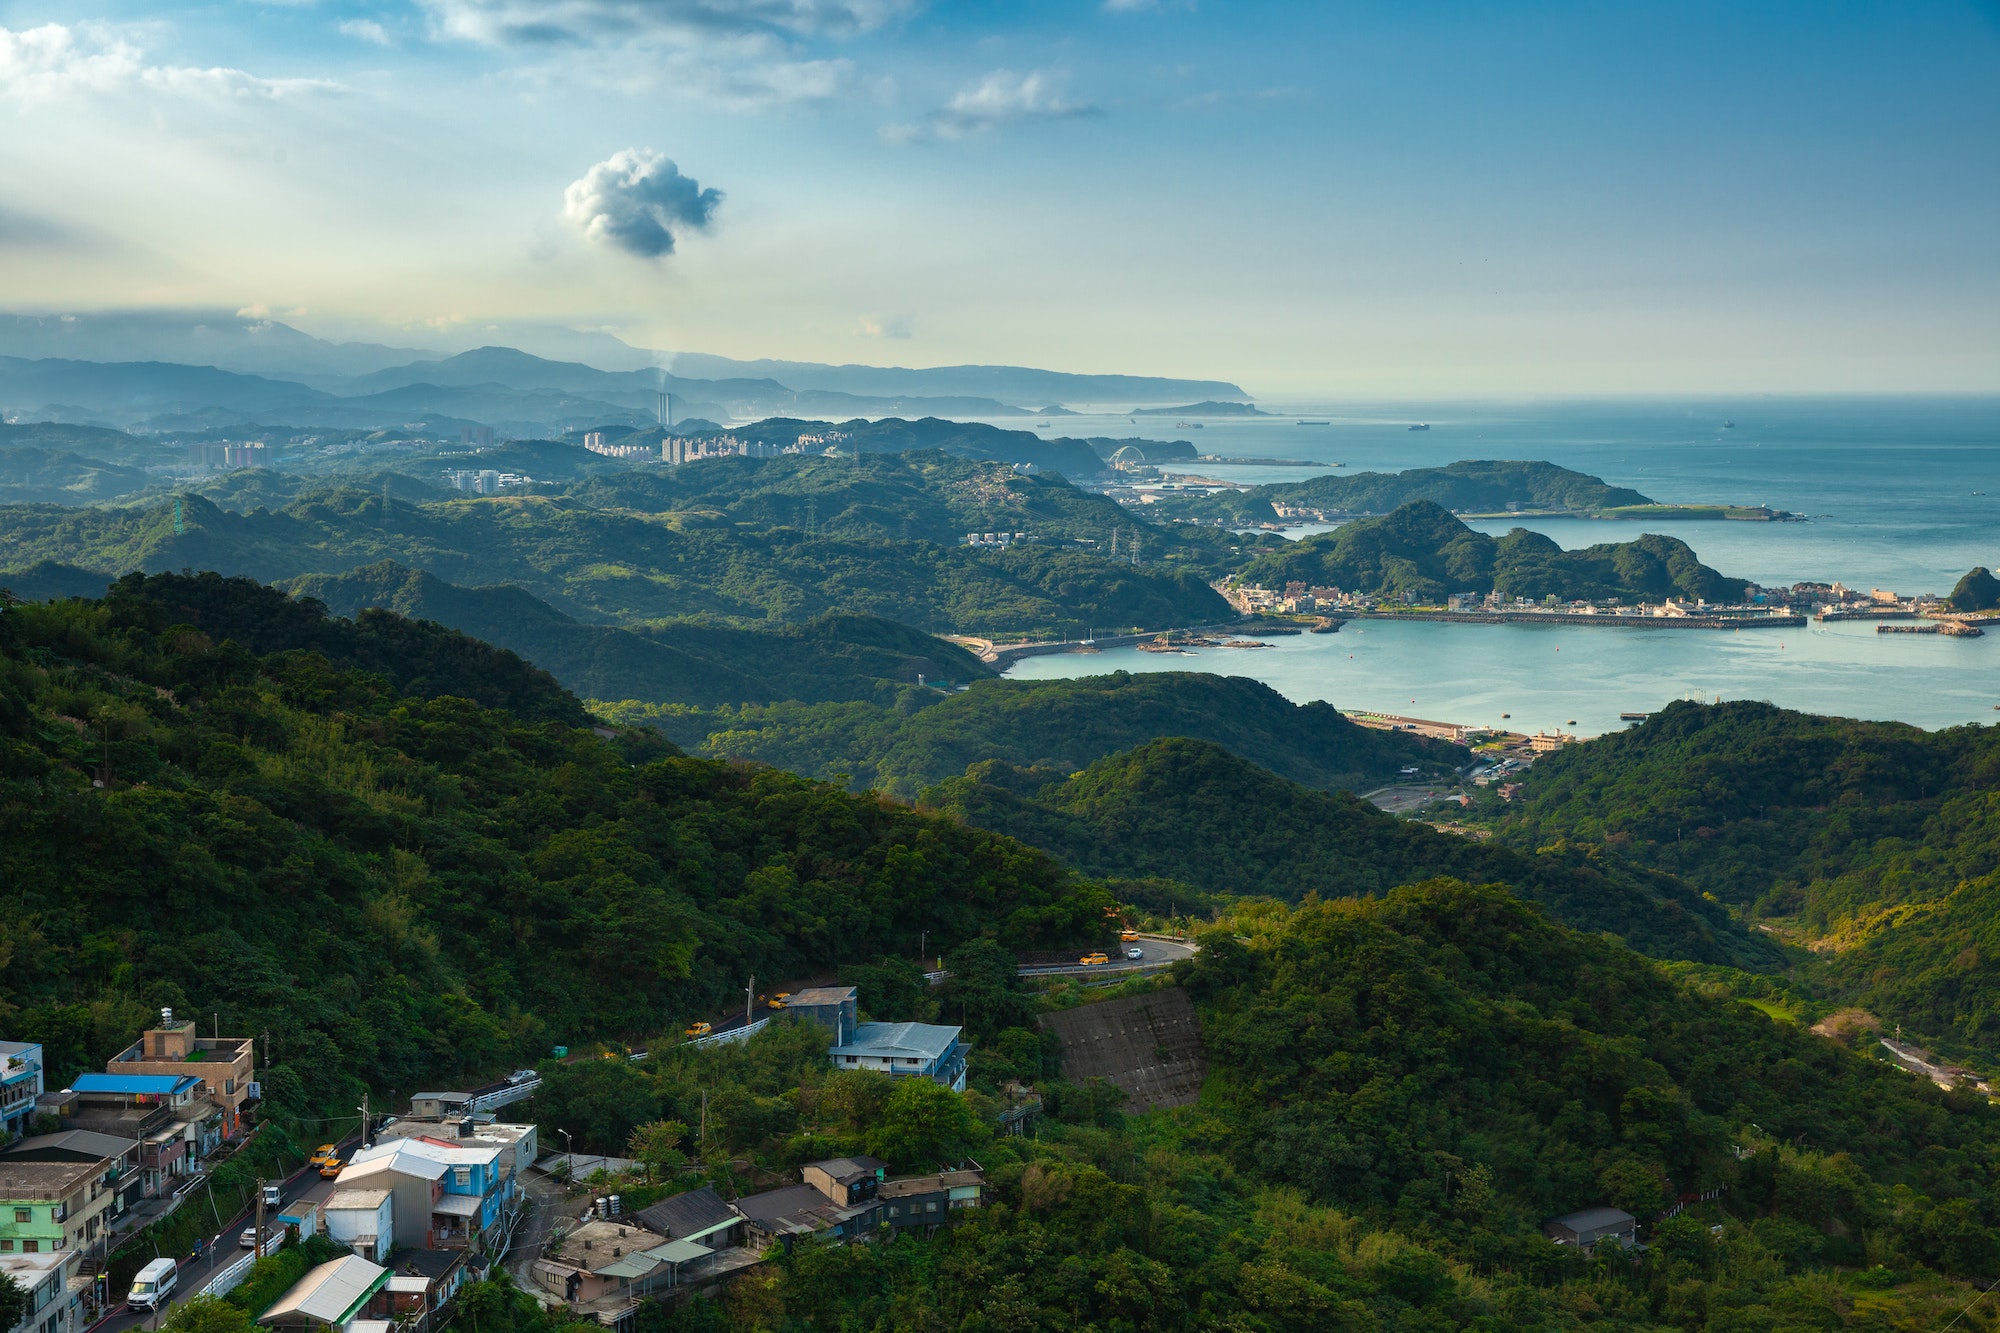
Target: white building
{"x":363,"y":1220}
{"x":20,"y":1084}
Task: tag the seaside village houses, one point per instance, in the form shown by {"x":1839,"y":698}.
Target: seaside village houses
{"x":433,"y":1201}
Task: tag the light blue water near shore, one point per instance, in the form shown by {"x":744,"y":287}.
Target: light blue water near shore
{"x":1892,"y":485}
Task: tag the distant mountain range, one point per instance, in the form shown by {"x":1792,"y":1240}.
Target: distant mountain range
{"x":164,"y":371}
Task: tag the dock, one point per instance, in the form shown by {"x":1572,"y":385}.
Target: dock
{"x":1568,"y":619}
{"x":1955,"y":629}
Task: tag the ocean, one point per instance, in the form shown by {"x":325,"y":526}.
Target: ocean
{"x":1903,"y":494}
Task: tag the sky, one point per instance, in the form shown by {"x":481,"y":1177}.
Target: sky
{"x":1307,"y":199}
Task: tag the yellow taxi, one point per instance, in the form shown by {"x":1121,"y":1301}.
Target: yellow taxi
{"x":697,"y":1030}
{"x":329,"y":1169}
{"x":778,"y":1001}
{"x":1094,"y":959}
{"x":321,"y":1156}
{"x":1128,"y":937}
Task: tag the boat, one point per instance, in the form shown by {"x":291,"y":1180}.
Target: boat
{"x":1729,"y":425}
{"x":1312,"y":423}
{"x":1633,"y":717}
{"x":1424,"y":426}
{"x":1187,"y":425}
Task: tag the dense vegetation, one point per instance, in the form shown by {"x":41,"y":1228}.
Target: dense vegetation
{"x":1977,"y":591}
{"x":1467,"y":487}
{"x":637,"y":550}
{"x":1875,"y":842}
{"x":1422,"y":551}
{"x":831,"y":656}
{"x":1054,"y":725}
{"x":1401,"y":1091}
{"x":410,"y":889}
{"x":1190,"y":812}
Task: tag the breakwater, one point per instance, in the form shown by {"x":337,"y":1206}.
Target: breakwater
{"x":1565,"y":619}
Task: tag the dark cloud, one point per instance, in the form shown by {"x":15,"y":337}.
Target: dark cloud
{"x":29,"y":231}
{"x":637,"y":200}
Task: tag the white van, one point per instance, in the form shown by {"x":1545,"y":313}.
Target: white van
{"x":152,"y":1285}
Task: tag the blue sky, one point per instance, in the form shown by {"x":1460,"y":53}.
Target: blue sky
{"x":1329,"y":198}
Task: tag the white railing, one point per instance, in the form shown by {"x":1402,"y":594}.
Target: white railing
{"x":229,"y":1279}
{"x":744,"y":1033}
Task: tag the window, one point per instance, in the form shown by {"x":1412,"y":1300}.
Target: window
{"x":894,"y":1211}
{"x":931,"y":1207}
{"x":461,"y":1176}
{"x":6,"y":1247}
{"x":229,"y":1087}
{"x":24,"y":1214}
{"x":31,"y":1247}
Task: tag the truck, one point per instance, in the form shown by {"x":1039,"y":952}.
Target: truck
{"x":152,"y":1285}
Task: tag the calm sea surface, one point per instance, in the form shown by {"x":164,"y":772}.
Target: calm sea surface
{"x":1903,"y":494}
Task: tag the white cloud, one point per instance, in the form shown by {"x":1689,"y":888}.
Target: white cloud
{"x":58,"y":60}
{"x":635,"y":200}
{"x":682,"y":22}
{"x":365,"y":30}
{"x":891,"y":326}
{"x":1003,"y":97}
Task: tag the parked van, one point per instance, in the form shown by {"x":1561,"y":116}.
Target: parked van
{"x":152,"y":1285}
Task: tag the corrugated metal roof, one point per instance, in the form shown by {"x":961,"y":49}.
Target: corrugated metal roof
{"x":458,"y":1205}
{"x":331,"y":1293}
{"x":900,"y":1041}
{"x":630,"y":1266}
{"x":679,"y":1252}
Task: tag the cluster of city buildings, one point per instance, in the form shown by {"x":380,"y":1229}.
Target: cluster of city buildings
{"x":594,"y":441}
{"x":997,"y":541}
{"x":485,"y":481}
{"x":221,"y":456}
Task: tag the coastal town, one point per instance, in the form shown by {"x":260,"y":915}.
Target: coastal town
{"x":405,"y":1211}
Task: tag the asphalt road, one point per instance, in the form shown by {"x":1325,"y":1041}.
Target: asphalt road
{"x":220,"y":1251}
{"x":1158,"y":953}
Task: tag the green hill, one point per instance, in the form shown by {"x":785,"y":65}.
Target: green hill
{"x":406,"y":890}
{"x":1471,"y":486}
{"x":1422,"y":550}
{"x":1874,"y":841}
{"x":1977,"y":591}
{"x":627,"y":564}
{"x":832,"y":656}
{"x":1061,"y":726}
{"x":30,"y":475}
{"x":1191,"y":811}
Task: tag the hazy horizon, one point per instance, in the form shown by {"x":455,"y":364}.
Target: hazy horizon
{"x":1348,"y":200}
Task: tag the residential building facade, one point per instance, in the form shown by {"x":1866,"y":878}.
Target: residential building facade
{"x":906,"y":1050}
{"x":20,"y":1084}
{"x":225,"y":1067}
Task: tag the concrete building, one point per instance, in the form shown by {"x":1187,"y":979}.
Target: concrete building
{"x":519,"y":1145}
{"x":116,"y":1162}
{"x":1593,"y":1226}
{"x":846,"y":1180}
{"x":469,"y":1197}
{"x":929,"y":1201}
{"x":166,"y":1114}
{"x":363,"y":1220}
{"x":906,"y":1050}
{"x":55,"y":1290}
{"x":832,"y":1007}
{"x":20,"y":1084}
{"x":224,"y":1066}
{"x":51,"y":1206}
{"x":342,"y":1295}
{"x":698,"y":1215}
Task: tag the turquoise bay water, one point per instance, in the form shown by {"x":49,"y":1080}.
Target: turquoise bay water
{"x":1894,"y":487}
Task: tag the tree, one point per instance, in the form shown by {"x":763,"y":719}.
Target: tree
{"x":657,"y":1144}
{"x":599,"y":1102}
{"x":985,"y":989}
{"x":203,"y":1314}
{"x":923,"y":1124}
{"x":13,"y":1301}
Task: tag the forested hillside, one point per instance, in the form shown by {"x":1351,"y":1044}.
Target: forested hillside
{"x":1057,"y":725}
{"x":1422,"y":550}
{"x":1469,"y":486}
{"x":1874,"y":842}
{"x":831,"y":656}
{"x":1189,"y":813}
{"x":1401,"y":1090}
{"x":411,"y":887}
{"x":625,"y":565}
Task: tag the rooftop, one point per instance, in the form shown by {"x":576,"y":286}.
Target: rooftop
{"x":135,"y":1085}
{"x":331,"y":1293}
{"x":29,"y":1182}
{"x":928,"y":1041}
{"x":689,"y":1216}
{"x":67,"y":1145}
{"x":931,"y":1184}
{"x":1592,"y":1219}
{"x":356,"y":1198}
{"x":847,"y":1170}
{"x":821,"y":995}
{"x":610,"y":1244}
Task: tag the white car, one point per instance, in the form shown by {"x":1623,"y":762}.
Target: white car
{"x":1135,"y":953}
{"x":248,"y":1240}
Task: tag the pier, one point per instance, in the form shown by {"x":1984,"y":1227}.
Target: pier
{"x":1761,"y":621}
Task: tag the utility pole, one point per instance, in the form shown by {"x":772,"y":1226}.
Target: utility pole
{"x":923,"y":938}
{"x":364,"y":1117}
{"x":704,"y":1119}
{"x":750,"y":1000}
{"x":257,"y":1250}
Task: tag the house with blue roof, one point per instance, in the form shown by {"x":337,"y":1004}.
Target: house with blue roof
{"x":164,"y":1114}
{"x":906,"y":1050}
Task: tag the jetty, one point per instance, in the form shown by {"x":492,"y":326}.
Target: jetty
{"x":1767,"y":620}
{"x":1955,"y":629}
